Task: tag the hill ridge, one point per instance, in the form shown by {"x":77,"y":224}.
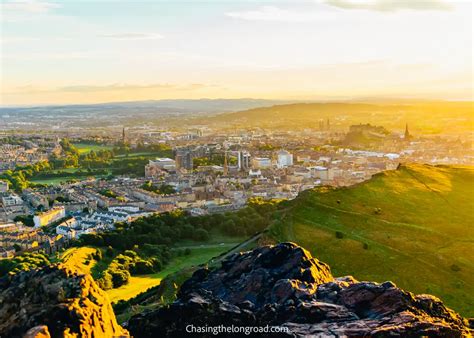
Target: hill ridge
{"x":395,"y":226}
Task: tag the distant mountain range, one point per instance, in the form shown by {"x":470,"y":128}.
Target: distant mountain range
{"x":120,"y":113}
{"x":429,"y":116}
{"x":178,"y":105}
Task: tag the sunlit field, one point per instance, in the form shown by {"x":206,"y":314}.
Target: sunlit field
{"x":86,"y":147}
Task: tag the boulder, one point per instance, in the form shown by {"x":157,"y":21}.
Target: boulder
{"x":284,"y":286}
{"x":55,"y":301}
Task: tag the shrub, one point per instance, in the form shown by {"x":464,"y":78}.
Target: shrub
{"x":201,"y":235}
{"x":339,"y":234}
{"x":141,"y":267}
{"x":97,"y":255}
{"x":105,"y":282}
{"x":157,"y":264}
{"x":109,"y":252}
{"x":130,"y":253}
{"x":365,"y":246}
{"x":120,"y":277}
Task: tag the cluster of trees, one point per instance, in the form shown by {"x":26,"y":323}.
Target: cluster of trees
{"x":77,"y":173}
{"x":24,"y":262}
{"x":133,"y":262}
{"x":215,"y":159}
{"x":266,"y":147}
{"x":129,"y":166}
{"x":96,"y":159}
{"x":25,"y":219}
{"x":162,"y":150}
{"x":163,"y":189}
{"x":19,"y":178}
{"x":169,"y":228}
{"x":99,"y":162}
{"x":108,"y":193}
{"x":69,"y":158}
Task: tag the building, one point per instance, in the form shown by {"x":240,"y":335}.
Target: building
{"x":7,"y":252}
{"x":35,"y":198}
{"x":50,"y":216}
{"x":261,"y":162}
{"x":284,"y":159}
{"x":10,"y":200}
{"x":243,"y":160}
{"x":155,"y":167}
{"x":3,"y":186}
{"x":184,"y":159}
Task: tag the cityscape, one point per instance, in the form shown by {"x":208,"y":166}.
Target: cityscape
{"x":206,"y":172}
{"x":222,"y":169}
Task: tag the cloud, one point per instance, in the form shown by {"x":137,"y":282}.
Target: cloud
{"x":391,"y":5}
{"x":67,"y":55}
{"x":132,"y":36}
{"x":271,"y":13}
{"x":18,"y":39}
{"x":29,"y":89}
{"x":115,"y":86}
{"x":29,"y":6}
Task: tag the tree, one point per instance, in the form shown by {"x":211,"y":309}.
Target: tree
{"x":201,"y":235}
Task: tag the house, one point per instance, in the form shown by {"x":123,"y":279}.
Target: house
{"x":50,"y":216}
{"x":7,"y":252}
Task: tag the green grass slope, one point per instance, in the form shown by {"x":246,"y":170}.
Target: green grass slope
{"x":421,"y":238}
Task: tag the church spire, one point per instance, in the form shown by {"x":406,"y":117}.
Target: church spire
{"x":407,"y":133}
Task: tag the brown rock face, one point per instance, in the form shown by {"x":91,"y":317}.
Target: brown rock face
{"x":283,"y":285}
{"x":57,"y":302}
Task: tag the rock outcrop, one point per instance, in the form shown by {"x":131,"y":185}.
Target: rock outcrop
{"x":284,"y":286}
{"x":55,"y":301}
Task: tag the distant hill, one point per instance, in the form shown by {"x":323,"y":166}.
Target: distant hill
{"x":185,"y":105}
{"x":364,"y":135}
{"x":123,"y":113}
{"x":431,"y":117}
{"x":413,"y":226}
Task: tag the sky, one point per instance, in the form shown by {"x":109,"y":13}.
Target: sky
{"x":88,"y":51}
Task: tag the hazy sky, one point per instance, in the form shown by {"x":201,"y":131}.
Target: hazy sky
{"x":97,"y":51}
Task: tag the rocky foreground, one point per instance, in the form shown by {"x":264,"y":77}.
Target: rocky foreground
{"x":278,"y":285}
{"x":55,"y":302}
{"x":283,"y":285}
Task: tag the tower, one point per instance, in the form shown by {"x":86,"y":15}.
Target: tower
{"x":407,"y":135}
{"x":226,"y":167}
{"x":123,"y":135}
{"x":243,"y":160}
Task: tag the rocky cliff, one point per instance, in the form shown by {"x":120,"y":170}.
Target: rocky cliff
{"x":57,"y":302}
{"x":284,"y":286}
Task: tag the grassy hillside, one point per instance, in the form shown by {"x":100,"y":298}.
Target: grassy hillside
{"x":138,"y":284}
{"x":413,"y":226}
